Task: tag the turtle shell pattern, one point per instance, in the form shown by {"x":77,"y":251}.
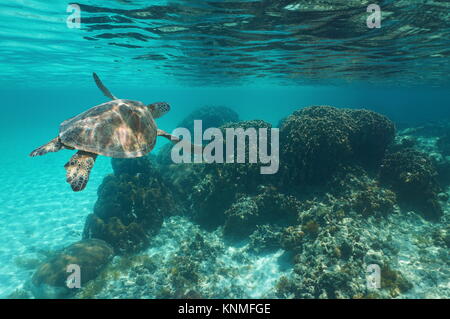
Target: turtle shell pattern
{"x":119,"y":128}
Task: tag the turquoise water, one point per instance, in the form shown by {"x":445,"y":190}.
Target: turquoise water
{"x":261,"y":59}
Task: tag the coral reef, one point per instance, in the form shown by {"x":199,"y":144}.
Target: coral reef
{"x":49,"y":280}
{"x":221,"y":183}
{"x":429,"y":139}
{"x":338,"y":205}
{"x":315,"y":140}
{"x":211,"y":116}
{"x":393,"y":281}
{"x":183,"y":177}
{"x":441,"y":236}
{"x":316,"y":143}
{"x":268,"y":207}
{"x":332,"y":248}
{"x":163,"y":157}
{"x":443,"y":143}
{"x":374,"y":133}
{"x":266,"y":238}
{"x":374,"y":200}
{"x":318,"y":140}
{"x":131,"y":205}
{"x":412,"y":175}
{"x":291,"y":238}
{"x":185,"y":261}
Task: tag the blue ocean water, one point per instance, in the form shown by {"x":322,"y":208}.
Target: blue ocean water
{"x":262,"y":59}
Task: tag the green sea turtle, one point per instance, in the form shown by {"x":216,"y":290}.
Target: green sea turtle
{"x":119,"y":128}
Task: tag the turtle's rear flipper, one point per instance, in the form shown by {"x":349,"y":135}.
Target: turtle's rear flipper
{"x":78,"y":169}
{"x":53,"y":146}
{"x":102,"y":87}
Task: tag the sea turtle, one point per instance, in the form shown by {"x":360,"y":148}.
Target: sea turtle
{"x":119,"y":128}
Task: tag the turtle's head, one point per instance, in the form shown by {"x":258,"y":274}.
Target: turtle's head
{"x":159,"y":109}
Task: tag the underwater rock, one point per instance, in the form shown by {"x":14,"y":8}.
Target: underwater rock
{"x":49,"y":280}
{"x":412,"y":175}
{"x":27,"y":263}
{"x":131,"y":205}
{"x":316,"y":141}
{"x":20,"y":293}
{"x":211,"y":116}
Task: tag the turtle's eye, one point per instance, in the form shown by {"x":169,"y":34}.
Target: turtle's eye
{"x":159,"y":109}
{"x":164,"y":107}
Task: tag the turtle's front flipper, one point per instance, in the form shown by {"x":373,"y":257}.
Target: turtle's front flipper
{"x":192,"y":148}
{"x":53,"y":146}
{"x":170,"y":137}
{"x":78,"y":169}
